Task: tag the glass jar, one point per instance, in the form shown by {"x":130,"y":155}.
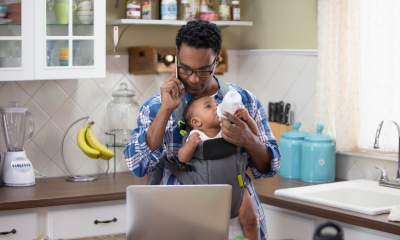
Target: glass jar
{"x":122,"y":114}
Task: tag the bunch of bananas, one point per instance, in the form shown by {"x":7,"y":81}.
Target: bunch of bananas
{"x":91,"y":146}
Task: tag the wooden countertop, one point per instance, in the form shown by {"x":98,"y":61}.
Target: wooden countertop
{"x":58,"y":191}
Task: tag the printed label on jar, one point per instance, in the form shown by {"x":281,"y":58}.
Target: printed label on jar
{"x":187,"y":13}
{"x":146,"y":10}
{"x":224,"y":10}
{"x":132,"y":10}
{"x":236,"y":14}
{"x":169,"y":9}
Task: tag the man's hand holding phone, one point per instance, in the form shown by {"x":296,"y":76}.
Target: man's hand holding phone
{"x":171,"y":92}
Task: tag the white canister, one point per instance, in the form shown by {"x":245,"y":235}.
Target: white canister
{"x":168,"y":9}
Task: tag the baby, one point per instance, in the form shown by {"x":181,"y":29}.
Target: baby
{"x":201,"y":116}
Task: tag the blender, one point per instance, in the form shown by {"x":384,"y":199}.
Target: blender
{"x":17,"y":169}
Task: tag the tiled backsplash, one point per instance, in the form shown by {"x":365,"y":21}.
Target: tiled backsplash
{"x":56,"y":104}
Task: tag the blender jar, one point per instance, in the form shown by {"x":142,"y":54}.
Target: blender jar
{"x":14,"y":123}
{"x":122,"y":113}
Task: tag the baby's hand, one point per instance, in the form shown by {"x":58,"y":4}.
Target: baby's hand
{"x":242,"y":114}
{"x":194,"y":140}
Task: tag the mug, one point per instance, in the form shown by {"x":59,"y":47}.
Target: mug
{"x":61,"y":11}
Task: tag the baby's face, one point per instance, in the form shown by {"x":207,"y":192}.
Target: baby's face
{"x":205,"y":109}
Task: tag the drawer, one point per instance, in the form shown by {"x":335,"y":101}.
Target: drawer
{"x":77,"y":221}
{"x":25,"y":224}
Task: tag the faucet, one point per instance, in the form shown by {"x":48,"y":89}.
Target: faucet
{"x":384,"y":179}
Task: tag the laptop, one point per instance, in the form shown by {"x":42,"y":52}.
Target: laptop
{"x":178,"y":212}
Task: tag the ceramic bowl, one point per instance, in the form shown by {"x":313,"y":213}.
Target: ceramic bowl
{"x":85,"y":8}
{"x":85,"y":19}
{"x":63,"y":62}
{"x":84,"y":13}
{"x":85,"y":5}
{"x":10,"y":62}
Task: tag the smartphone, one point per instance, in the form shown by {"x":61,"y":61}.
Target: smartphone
{"x":176,"y":71}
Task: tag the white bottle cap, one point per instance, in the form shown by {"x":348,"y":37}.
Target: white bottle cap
{"x":235,"y":2}
{"x":184,"y":1}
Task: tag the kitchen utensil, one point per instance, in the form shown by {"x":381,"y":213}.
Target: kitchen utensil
{"x":318,"y":235}
{"x":279,"y":112}
{"x":17,"y":170}
{"x":318,"y":159}
{"x":290,"y":145}
{"x":122,"y":113}
{"x":286,"y":114}
{"x":3,"y":11}
{"x":271,"y":111}
{"x":116,"y":4}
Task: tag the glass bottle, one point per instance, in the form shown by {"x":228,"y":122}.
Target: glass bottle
{"x":224,"y":10}
{"x":132,"y":8}
{"x":149,"y":9}
{"x":168,"y":9}
{"x":195,"y":12}
{"x":203,"y":6}
{"x":184,"y":10}
{"x":235,"y":13}
{"x":122,"y":113}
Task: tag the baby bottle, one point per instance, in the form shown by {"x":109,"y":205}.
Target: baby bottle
{"x":230,"y":103}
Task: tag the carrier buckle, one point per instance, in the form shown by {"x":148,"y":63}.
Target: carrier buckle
{"x":186,"y":168}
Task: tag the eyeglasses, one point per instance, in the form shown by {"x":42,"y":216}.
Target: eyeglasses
{"x":200,"y":73}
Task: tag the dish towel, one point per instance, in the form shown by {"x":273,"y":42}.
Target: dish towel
{"x":235,"y":228}
{"x":394,"y":214}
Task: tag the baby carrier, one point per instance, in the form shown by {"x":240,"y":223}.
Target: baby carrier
{"x":215,"y":161}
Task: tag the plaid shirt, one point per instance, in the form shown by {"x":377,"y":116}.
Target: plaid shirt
{"x":141,"y":161}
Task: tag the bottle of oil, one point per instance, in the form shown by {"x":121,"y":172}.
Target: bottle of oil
{"x":224,"y":10}
{"x":195,"y":5}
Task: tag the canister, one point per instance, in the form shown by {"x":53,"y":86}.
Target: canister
{"x":318,"y":157}
{"x":290,"y":145}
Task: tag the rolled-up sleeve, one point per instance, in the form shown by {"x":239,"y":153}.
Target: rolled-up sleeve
{"x":265,"y":135}
{"x":139,"y":158}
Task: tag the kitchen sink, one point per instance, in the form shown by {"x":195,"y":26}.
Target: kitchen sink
{"x":363,"y":196}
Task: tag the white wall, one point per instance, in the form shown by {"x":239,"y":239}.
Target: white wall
{"x":56,"y":104}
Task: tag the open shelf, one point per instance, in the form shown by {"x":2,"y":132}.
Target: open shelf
{"x":173,"y":22}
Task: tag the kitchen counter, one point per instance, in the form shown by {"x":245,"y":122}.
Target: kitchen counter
{"x":57,"y":191}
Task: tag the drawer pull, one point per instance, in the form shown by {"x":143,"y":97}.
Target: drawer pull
{"x":108,"y":221}
{"x":5,"y":233}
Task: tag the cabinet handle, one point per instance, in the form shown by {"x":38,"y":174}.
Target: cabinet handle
{"x":5,"y":233}
{"x":108,"y":221}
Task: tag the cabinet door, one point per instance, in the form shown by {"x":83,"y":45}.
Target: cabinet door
{"x":25,"y":225}
{"x":69,"y":39}
{"x":16,"y":40}
{"x":283,"y":225}
{"x":78,"y":221}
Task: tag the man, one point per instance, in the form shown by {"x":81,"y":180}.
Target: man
{"x":158,"y":135}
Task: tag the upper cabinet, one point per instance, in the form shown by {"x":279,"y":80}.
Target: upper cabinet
{"x":54,"y":39}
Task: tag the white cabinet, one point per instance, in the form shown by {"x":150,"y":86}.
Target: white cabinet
{"x":78,"y":221}
{"x":16,"y":41}
{"x":55,"y":39}
{"x":23,"y":222}
{"x":286,"y":224}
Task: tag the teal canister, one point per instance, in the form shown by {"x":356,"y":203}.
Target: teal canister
{"x":318,"y":157}
{"x":290,"y":145}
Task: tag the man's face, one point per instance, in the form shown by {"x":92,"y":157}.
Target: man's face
{"x":196,"y":59}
